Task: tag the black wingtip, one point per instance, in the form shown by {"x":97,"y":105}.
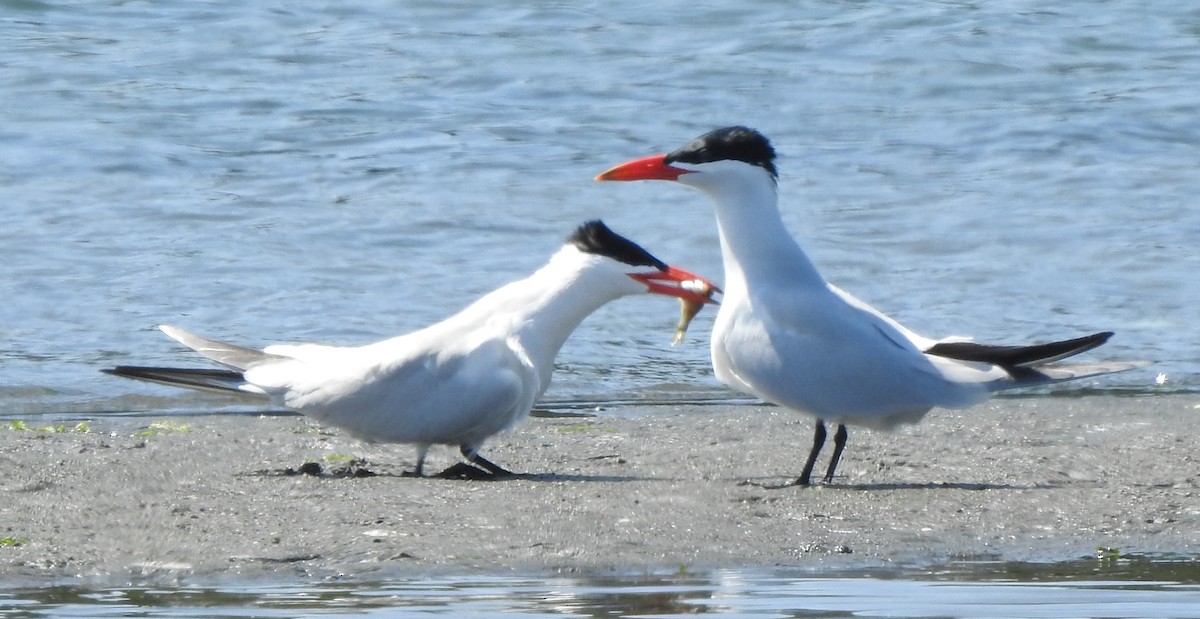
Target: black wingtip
{"x":124,"y":370}
{"x":204,"y":379}
{"x":143,"y":371}
{"x":1014,"y":357}
{"x":1087,"y":342}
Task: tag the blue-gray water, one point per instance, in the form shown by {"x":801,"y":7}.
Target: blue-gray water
{"x":1080,"y":589}
{"x":343,"y":172}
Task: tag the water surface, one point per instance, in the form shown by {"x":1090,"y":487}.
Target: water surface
{"x":1115,"y":587}
{"x":263,"y":172}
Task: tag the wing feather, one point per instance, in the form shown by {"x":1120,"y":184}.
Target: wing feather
{"x":425,"y":396}
{"x":229,"y":355}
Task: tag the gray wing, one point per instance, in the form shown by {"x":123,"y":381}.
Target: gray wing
{"x":229,"y":355}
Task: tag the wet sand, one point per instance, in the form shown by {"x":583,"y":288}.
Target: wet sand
{"x":209,"y":499}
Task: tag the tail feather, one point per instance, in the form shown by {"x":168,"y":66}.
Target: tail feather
{"x":229,"y":355}
{"x":1015,"y":358}
{"x":1057,"y":373}
{"x":203,"y":379}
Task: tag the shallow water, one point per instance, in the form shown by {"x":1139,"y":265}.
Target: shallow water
{"x":1113,"y":587}
{"x":346,"y":172}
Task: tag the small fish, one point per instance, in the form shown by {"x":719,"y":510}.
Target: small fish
{"x":689,"y":308}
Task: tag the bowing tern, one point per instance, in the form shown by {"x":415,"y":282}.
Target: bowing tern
{"x":787,"y":336}
{"x":457,"y":382}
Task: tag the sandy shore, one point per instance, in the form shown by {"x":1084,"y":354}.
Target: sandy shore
{"x":208,"y":498}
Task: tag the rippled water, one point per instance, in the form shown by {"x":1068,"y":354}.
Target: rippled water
{"x":1082,"y":589}
{"x":343,"y":172}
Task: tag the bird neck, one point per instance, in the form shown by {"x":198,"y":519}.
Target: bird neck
{"x":548,"y":305}
{"x":755,"y":244}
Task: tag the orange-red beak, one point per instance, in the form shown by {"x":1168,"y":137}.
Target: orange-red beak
{"x":679,"y":283}
{"x":653,"y":168}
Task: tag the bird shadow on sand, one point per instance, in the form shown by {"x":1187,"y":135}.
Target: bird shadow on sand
{"x":314,"y":469}
{"x":937,"y":485}
{"x":560,"y":477}
{"x":882,"y":486}
{"x":355,"y":471}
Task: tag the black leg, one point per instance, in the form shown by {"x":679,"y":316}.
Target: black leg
{"x":839,"y":443}
{"x":472,"y":456}
{"x":419,"y":470}
{"x":463,"y":470}
{"x":490,"y":466}
{"x":818,"y":442}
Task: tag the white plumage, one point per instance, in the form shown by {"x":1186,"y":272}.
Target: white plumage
{"x":787,"y":336}
{"x":457,"y":382}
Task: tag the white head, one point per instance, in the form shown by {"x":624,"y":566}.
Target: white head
{"x":735,"y":166}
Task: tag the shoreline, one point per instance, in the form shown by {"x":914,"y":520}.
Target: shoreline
{"x":207,"y":498}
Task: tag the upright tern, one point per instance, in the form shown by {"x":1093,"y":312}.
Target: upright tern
{"x":787,"y":336}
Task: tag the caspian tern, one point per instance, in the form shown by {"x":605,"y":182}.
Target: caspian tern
{"x":457,"y":382}
{"x":787,"y":336}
